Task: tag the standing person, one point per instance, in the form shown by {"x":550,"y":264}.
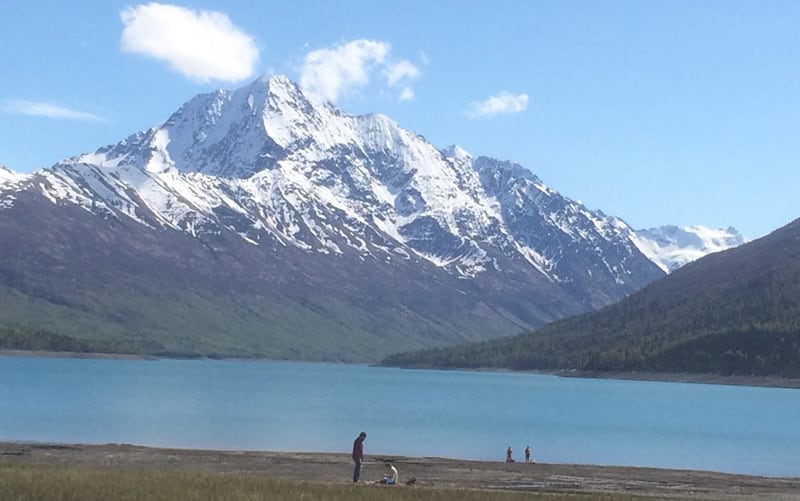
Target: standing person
{"x":509,"y":459}
{"x":528,"y":454}
{"x":358,"y":455}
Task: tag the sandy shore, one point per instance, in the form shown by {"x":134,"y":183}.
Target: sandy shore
{"x":429,"y":472}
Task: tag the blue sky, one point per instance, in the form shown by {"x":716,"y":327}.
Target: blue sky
{"x":680,"y":112}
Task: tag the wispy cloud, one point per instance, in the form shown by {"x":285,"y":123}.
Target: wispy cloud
{"x":401,"y":71}
{"x":424,"y":59}
{"x":49,"y":110}
{"x":400,"y":74}
{"x":202,"y":45}
{"x":407,"y":94}
{"x":501,"y":104}
{"x":339,"y":70}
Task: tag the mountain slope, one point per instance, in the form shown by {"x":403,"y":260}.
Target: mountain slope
{"x":304,"y":232}
{"x":733,"y":312}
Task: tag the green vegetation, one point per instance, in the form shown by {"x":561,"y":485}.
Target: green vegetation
{"x":26,"y":339}
{"x":63,"y":483}
{"x":732,"y":313}
{"x":142,"y":317}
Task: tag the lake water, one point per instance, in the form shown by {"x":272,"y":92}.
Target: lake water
{"x":476,"y":415}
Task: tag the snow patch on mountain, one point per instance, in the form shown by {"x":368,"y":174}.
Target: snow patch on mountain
{"x":10,"y":183}
{"x":7,"y":176}
{"x":671,"y":247}
{"x":456,"y":153}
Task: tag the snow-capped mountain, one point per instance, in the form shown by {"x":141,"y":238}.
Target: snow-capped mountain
{"x":671,"y":247}
{"x":272,"y":164}
{"x":270,"y":191}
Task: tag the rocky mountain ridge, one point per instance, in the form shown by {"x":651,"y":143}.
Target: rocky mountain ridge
{"x":270,"y":190}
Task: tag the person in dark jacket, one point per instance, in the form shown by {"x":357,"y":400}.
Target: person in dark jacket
{"x":358,"y":455}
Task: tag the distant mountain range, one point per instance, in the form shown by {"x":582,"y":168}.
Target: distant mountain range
{"x":671,"y":247}
{"x":263,"y":222}
{"x":734,"y":312}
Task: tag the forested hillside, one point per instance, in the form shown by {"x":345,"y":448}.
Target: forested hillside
{"x":735,"y":312}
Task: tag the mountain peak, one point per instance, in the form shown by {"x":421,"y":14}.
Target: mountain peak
{"x":278,"y":86}
{"x":456,"y":152}
{"x":273,"y":78}
{"x":270,"y":92}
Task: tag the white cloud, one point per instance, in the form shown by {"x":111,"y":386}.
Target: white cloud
{"x":331,"y":72}
{"x":201,"y":45}
{"x":404,"y":70}
{"x":337,"y":71}
{"x":500,"y":104}
{"x":407,"y":94}
{"x":49,"y":110}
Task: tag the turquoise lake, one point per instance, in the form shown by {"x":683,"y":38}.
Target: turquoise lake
{"x":476,"y":415}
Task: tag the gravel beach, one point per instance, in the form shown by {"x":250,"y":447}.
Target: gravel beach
{"x":430,"y":473}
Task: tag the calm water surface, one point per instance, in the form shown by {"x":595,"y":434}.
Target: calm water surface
{"x":322,"y":407}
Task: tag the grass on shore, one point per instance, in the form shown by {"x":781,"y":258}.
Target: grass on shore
{"x":65,"y":483}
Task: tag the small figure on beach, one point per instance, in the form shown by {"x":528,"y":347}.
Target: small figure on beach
{"x":509,"y":459}
{"x":528,"y":454}
{"x":358,"y":455}
{"x":391,"y":476}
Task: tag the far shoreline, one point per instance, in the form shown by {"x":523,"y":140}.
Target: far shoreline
{"x":75,"y":355}
{"x":664,"y":377}
{"x":659,"y":377}
{"x":668,"y":377}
